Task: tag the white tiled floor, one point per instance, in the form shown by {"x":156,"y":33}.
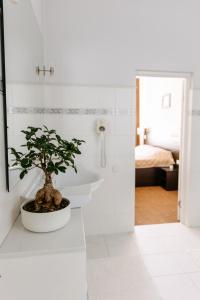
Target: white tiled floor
{"x":156,"y":262}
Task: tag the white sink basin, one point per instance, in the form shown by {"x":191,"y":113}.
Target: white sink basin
{"x":77,"y":187}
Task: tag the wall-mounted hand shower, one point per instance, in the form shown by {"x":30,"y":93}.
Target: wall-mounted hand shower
{"x":101,"y":130}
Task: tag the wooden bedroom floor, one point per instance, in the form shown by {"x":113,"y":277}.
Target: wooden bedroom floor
{"x":155,"y":205}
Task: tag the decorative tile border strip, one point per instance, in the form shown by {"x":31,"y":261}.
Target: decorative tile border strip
{"x":25,"y":110}
{"x":67,"y":111}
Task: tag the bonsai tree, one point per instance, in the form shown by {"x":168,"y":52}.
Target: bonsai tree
{"x":46,"y":150}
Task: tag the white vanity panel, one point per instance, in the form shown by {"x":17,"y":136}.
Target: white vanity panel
{"x":44,"y":265}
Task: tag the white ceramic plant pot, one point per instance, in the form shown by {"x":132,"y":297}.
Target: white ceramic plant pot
{"x":45,"y":222}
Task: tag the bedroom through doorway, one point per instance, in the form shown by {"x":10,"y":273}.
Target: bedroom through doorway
{"x":159,"y":110}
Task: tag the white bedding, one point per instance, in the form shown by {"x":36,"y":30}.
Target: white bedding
{"x":147,"y":156}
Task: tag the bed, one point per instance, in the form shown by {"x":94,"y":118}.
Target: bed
{"x":147,"y":161}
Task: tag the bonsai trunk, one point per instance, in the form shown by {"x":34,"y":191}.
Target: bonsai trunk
{"x":47,"y":198}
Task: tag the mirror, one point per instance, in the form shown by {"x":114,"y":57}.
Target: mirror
{"x":23,"y":40}
{"x":3,"y":89}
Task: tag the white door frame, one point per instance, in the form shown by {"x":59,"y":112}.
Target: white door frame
{"x":184,"y":156}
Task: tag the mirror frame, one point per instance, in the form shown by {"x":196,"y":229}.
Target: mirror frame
{"x":3,"y":92}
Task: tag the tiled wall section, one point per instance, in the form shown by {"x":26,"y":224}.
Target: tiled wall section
{"x":112,"y":207}
{"x":74,"y":111}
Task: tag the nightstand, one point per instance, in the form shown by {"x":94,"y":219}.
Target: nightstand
{"x":168,"y":179}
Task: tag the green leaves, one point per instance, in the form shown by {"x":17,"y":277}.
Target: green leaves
{"x":30,"y":132}
{"x":15,"y":153}
{"x":23,"y":173}
{"x":62,"y":169}
{"x":45,"y":149}
{"x":26,"y":163}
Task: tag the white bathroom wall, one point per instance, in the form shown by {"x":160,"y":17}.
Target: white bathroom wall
{"x":38,"y":10}
{"x":163,"y":123}
{"x":112,"y":207}
{"x":98,"y":44}
{"x":23,"y":42}
{"x":104,"y":42}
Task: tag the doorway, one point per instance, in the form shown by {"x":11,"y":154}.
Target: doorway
{"x":160,"y":109}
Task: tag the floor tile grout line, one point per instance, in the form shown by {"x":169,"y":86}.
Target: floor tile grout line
{"x":174,"y":274}
{"x":167,"y":253}
{"x":194,"y":283}
{"x":106,"y":246}
{"x":189,"y":278}
{"x":164,"y":252}
{"x":188,"y":254}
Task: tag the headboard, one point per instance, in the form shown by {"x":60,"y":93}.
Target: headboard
{"x":170,"y":145}
{"x":175,"y":152}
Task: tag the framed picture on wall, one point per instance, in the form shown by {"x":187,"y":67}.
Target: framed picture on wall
{"x":166,"y":100}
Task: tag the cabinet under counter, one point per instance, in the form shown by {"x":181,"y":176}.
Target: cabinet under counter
{"x":44,"y":265}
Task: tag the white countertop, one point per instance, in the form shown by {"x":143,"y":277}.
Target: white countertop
{"x":21,"y":242}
